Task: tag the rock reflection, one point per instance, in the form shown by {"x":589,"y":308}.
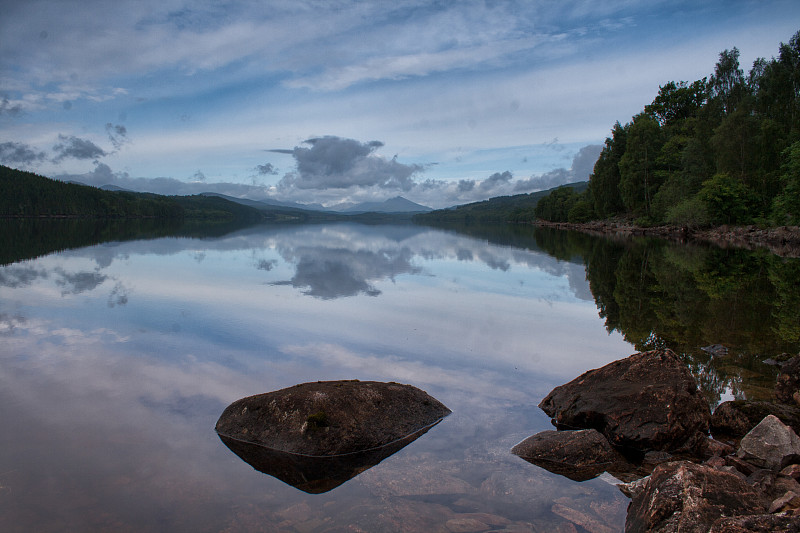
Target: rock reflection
{"x":315,"y":474}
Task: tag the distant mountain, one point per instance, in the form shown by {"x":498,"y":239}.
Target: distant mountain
{"x":398,"y":204}
{"x":267,"y":202}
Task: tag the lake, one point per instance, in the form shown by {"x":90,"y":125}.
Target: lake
{"x":119,"y":356}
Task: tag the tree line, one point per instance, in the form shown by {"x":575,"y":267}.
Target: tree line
{"x":724,"y":149}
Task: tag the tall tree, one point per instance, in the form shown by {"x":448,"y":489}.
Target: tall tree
{"x":604,"y":181}
{"x":639,"y":180}
{"x":677,"y":101}
{"x":727,"y":85}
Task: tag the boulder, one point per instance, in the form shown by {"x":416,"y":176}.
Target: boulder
{"x":738,"y":417}
{"x":788,"y":384}
{"x":648,"y":401}
{"x":686,"y":497}
{"x":578,"y":455}
{"x":771,"y":444}
{"x":330,"y":418}
{"x":764,"y":523}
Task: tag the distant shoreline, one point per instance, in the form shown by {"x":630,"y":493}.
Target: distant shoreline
{"x":783,"y":241}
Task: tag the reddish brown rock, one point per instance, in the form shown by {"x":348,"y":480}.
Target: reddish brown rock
{"x":682,"y":496}
{"x":788,"y":384}
{"x":648,"y":401}
{"x":736,"y":418}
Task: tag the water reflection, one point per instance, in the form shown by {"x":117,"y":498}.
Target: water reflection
{"x":315,"y":474}
{"x":117,"y":358}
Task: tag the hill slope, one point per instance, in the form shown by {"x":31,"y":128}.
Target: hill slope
{"x":494,"y":210}
{"x":25,"y":194}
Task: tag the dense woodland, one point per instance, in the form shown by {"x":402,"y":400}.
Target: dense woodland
{"x":720,"y":150}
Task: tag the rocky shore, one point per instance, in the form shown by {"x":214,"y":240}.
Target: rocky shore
{"x":643,"y":420}
{"x":783,"y":241}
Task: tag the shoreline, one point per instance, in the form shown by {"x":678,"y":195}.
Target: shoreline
{"x":783,"y":241}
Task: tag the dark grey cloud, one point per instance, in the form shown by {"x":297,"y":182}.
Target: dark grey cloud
{"x":78,"y":282}
{"x":8,"y":323}
{"x":119,"y":295}
{"x":76,"y":148}
{"x":329,"y":273}
{"x":584,"y":160}
{"x":117,"y":134}
{"x":15,"y":276}
{"x":582,"y":166}
{"x":466,"y":185}
{"x":547,"y":180}
{"x":14,"y":153}
{"x":7,"y":108}
{"x":498,"y":179}
{"x":336,"y":163}
{"x":266,"y":169}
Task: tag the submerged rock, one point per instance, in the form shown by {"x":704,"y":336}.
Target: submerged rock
{"x":771,"y":444}
{"x":577,"y":455}
{"x":648,"y":401}
{"x":686,"y":497}
{"x":316,"y":436}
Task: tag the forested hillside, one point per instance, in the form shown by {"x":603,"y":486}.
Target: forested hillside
{"x":501,"y":209}
{"x":721,"y":150}
{"x":24,"y":194}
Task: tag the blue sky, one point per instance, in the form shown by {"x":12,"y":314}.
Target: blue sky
{"x":343,"y":101}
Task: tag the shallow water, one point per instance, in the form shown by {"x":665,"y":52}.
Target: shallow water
{"x":118,"y":358}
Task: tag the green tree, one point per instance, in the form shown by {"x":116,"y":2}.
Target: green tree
{"x":639,"y":180}
{"x":727,"y":84}
{"x":786,"y":207}
{"x":677,"y":101}
{"x":604,"y":181}
{"x":727,"y":200}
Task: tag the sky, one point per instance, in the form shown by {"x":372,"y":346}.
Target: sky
{"x":342,"y":101}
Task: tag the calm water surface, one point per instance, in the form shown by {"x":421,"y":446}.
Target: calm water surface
{"x":118,"y":358}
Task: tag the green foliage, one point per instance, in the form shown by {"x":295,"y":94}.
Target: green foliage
{"x":690,"y":213}
{"x":786,"y":208}
{"x":581,"y":211}
{"x":692,"y":134}
{"x":727,"y":200}
{"x":555,"y":207}
{"x":677,"y":101}
{"x":604,"y":181}
{"x":639,"y":179}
